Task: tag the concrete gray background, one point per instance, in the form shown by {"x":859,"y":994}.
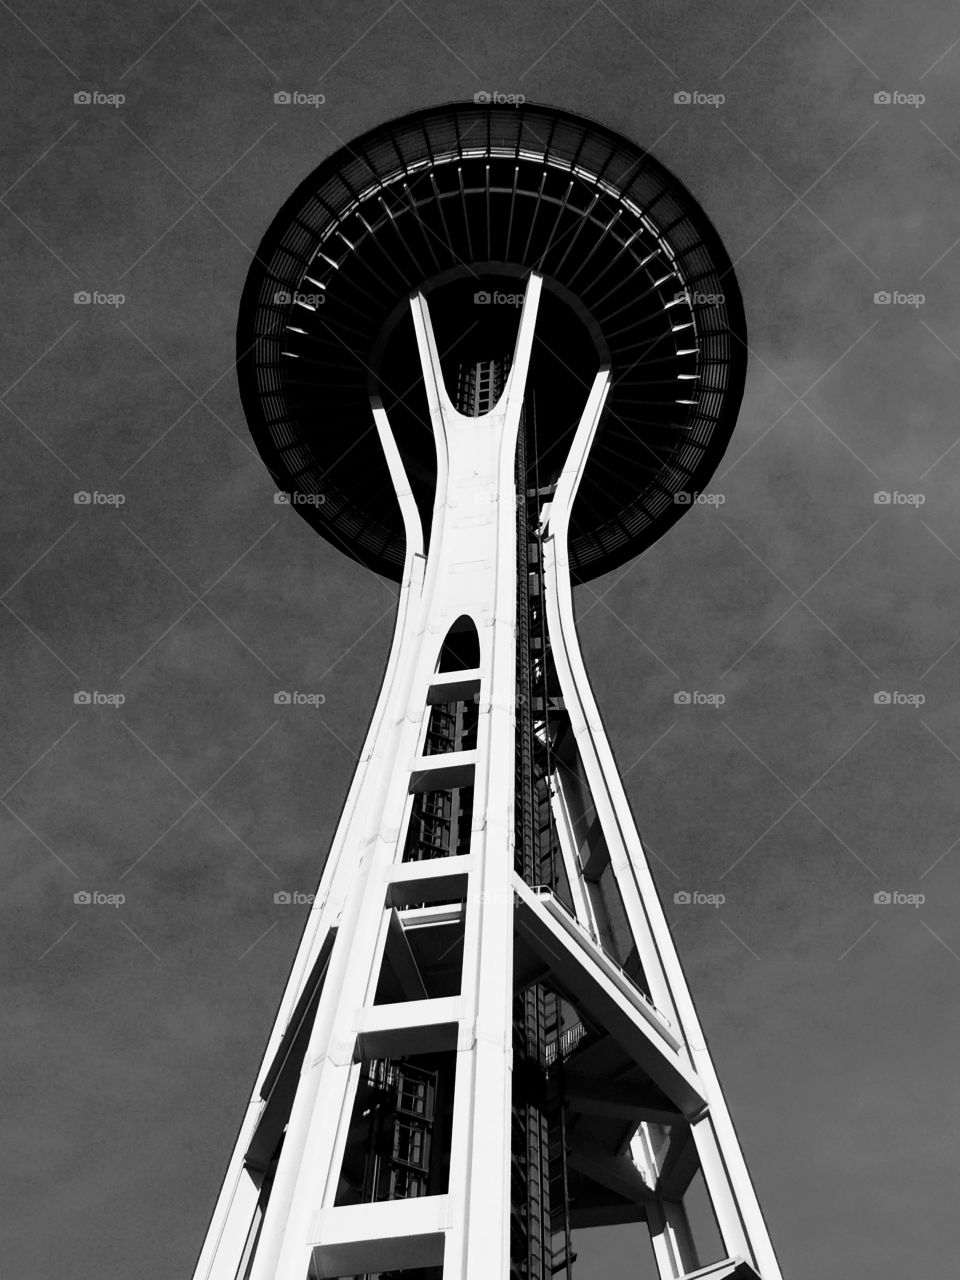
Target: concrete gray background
{"x":132,"y":1033}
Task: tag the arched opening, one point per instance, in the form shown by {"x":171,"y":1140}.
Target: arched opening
{"x":461,"y":649}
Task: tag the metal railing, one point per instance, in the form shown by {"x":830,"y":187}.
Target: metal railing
{"x":544,"y":891}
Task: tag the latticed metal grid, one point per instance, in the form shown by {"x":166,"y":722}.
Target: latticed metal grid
{"x":486,"y":189}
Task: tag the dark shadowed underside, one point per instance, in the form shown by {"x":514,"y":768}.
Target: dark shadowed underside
{"x":463,"y":201}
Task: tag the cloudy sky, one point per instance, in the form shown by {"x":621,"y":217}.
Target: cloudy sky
{"x":132,"y":1033}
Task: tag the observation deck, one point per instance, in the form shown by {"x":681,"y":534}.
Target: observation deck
{"x":461,"y":202}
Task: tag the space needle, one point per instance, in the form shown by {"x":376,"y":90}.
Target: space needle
{"x":490,"y":352}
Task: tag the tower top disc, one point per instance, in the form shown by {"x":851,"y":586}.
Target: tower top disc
{"x":461,"y":202}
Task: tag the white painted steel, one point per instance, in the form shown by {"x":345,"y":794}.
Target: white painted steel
{"x":470,"y":570}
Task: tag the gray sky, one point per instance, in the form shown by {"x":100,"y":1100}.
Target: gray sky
{"x":133,"y":1033}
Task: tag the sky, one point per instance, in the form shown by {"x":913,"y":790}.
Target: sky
{"x":133,"y":1029}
